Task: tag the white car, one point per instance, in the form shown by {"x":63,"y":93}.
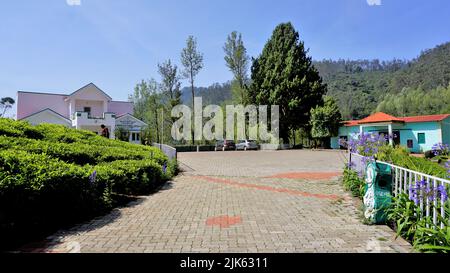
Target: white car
{"x":246,"y":145}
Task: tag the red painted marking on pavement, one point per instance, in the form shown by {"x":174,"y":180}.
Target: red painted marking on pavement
{"x":224,"y":221}
{"x":307,"y":175}
{"x":269,"y":188}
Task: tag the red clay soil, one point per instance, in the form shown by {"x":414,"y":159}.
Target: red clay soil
{"x":268,"y":188}
{"x":308,"y":175}
{"x":224,"y":221}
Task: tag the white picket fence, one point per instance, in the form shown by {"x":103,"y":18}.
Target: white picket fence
{"x":169,"y":151}
{"x":403,"y":179}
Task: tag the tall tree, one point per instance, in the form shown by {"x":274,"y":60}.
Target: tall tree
{"x":236,"y":59}
{"x":284,"y":75}
{"x":325,"y":119}
{"x":192,"y":61}
{"x":170,"y":82}
{"x":170,"y":87}
{"x":147,"y":106}
{"x":5,"y":104}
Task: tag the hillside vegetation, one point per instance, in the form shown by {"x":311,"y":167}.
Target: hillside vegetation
{"x":361,"y":87}
{"x":416,"y":87}
{"x":51,"y":175}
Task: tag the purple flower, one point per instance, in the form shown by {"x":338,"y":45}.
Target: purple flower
{"x":92,"y":177}
{"x":443,"y":192}
{"x":440,"y":149}
{"x":421,"y":190}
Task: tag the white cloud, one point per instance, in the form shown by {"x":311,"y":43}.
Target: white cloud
{"x":73,"y":2}
{"x":374,"y":2}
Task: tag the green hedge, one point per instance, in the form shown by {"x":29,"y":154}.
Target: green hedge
{"x":400,"y":157}
{"x":36,"y":190}
{"x":47,"y":175}
{"x":193,"y":148}
{"x":131,"y":176}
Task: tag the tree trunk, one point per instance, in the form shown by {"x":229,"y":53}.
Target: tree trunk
{"x":193,"y":110}
{"x":157,"y":126}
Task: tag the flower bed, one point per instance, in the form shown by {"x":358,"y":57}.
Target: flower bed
{"x":405,"y":214}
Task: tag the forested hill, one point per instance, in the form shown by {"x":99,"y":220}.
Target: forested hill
{"x":214,"y":94}
{"x":398,"y":87}
{"x":361,"y":87}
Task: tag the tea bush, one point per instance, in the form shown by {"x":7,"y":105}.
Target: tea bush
{"x":51,"y":175}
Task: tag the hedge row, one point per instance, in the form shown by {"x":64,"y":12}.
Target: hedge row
{"x":401,"y":157}
{"x":193,"y":148}
{"x":37,"y":190}
{"x":51,"y":175}
{"x":80,"y":153}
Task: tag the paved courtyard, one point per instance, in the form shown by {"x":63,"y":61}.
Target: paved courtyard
{"x":256,"y":201}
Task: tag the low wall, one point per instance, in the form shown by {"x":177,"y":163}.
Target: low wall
{"x":169,"y":151}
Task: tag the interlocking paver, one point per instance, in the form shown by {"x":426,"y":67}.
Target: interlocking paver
{"x":252,"y":207}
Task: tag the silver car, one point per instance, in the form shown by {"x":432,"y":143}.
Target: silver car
{"x":246,"y":145}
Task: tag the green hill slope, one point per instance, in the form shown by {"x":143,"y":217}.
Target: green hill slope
{"x":364,"y":86}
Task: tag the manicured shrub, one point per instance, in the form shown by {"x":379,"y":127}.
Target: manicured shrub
{"x":400,"y":157}
{"x":51,"y":175}
{"x":37,"y":191}
{"x":131,"y":176}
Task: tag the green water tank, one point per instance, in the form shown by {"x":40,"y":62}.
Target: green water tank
{"x":378,"y":194}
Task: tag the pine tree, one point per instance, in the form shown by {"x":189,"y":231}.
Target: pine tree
{"x":284,"y":75}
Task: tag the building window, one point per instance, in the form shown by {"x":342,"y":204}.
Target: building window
{"x":87,"y":110}
{"x":409,"y":143}
{"x":133,"y":136}
{"x":421,"y":138}
{"x":138,"y":137}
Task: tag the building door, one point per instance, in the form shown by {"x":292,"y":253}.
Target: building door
{"x":396,"y":138}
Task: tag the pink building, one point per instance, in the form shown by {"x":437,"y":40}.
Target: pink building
{"x":87,"y":108}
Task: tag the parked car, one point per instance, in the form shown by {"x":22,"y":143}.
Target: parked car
{"x":246,"y":144}
{"x":225,"y":145}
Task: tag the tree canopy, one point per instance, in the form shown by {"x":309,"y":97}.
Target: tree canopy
{"x":5,"y":104}
{"x":284,"y":75}
{"x":237,"y":60}
{"x":325,"y":119}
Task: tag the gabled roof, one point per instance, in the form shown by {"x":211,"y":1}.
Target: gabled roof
{"x":381,"y":117}
{"x":90,"y":85}
{"x":428,"y":118}
{"x":133,"y":117}
{"x":50,"y":111}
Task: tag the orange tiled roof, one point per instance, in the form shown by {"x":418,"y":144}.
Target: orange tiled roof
{"x":427,"y":118}
{"x":383,"y":117}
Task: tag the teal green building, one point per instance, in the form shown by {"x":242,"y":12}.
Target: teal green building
{"x":418,"y":133}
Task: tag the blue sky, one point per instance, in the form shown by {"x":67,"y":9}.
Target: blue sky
{"x":50,"y":46}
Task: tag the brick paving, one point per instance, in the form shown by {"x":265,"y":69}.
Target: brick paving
{"x":238,"y":202}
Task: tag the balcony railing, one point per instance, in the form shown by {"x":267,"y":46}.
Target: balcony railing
{"x":83,"y":118}
{"x":87,"y":115}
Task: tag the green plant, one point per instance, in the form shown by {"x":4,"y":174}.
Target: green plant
{"x":403,"y":214}
{"x":353,"y":183}
{"x":432,"y":239}
{"x":400,"y":156}
{"x":51,"y":175}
